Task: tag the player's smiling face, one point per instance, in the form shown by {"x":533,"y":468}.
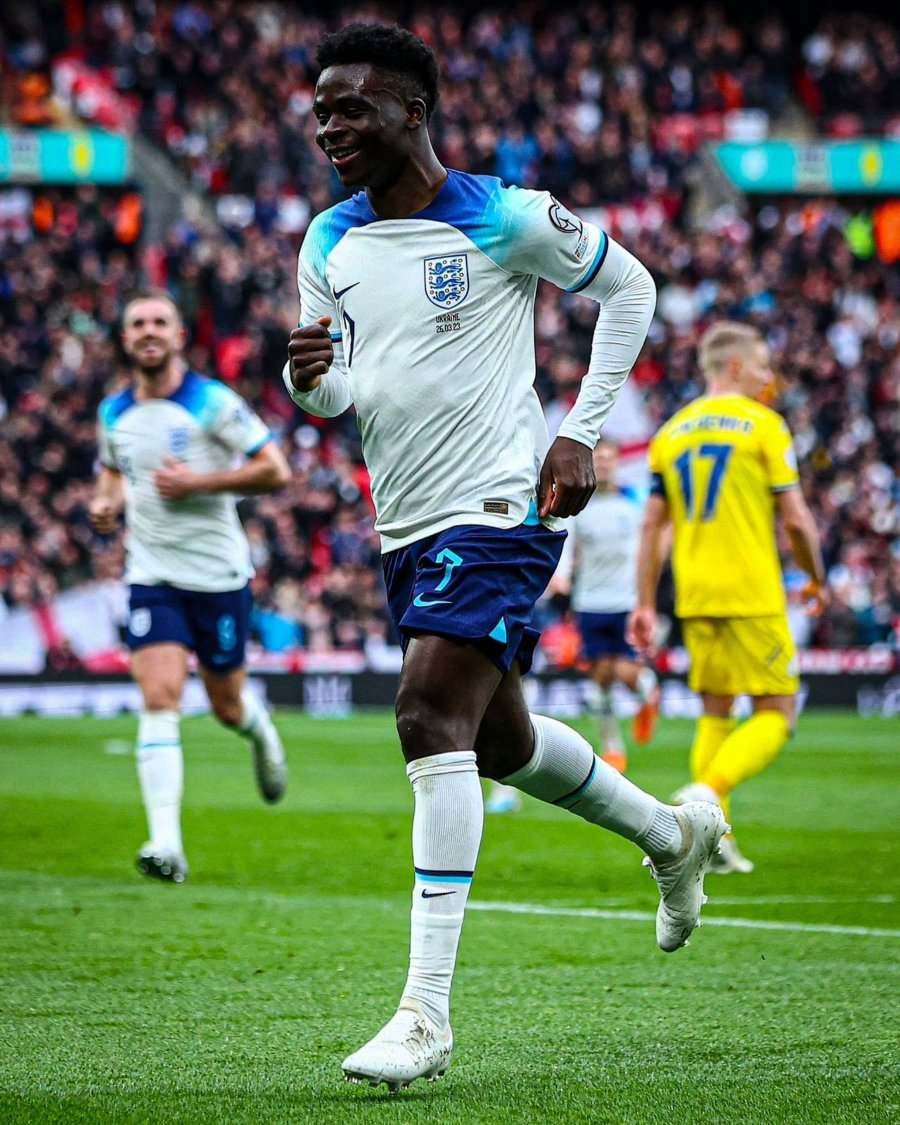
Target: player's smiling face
{"x":152,"y":333}
{"x":365,"y":125}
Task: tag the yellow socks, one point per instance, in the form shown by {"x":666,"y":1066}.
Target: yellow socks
{"x":709,"y":734}
{"x":746,"y":752}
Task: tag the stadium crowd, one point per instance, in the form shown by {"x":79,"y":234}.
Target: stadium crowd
{"x":609,"y":121}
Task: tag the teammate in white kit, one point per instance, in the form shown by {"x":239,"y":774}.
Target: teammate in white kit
{"x":167,"y":443}
{"x":599,"y":568}
{"x":416,"y":301}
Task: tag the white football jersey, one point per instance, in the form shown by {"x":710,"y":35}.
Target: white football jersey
{"x":196,"y":543}
{"x":433,"y":332}
{"x":601,"y":552}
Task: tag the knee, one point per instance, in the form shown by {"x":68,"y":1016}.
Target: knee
{"x":161,"y":697}
{"x":425,"y":727}
{"x":227,"y":711}
{"x":604,"y":673}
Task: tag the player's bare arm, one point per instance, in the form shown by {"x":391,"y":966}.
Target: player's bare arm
{"x":108,"y":500}
{"x":651,"y":556}
{"x":310,"y":354}
{"x":265,"y":471}
{"x":804,"y":536}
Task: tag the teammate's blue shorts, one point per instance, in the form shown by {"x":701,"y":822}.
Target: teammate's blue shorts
{"x":213,"y":625}
{"x":474,"y":584}
{"x":603,"y":634}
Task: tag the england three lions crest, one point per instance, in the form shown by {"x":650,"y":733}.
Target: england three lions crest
{"x":447,"y":280}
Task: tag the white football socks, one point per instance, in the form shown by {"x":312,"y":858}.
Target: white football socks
{"x":600,"y":703}
{"x":565,"y":771}
{"x":255,"y":722}
{"x":447,"y":825}
{"x":161,"y":773}
{"x":646,"y":684}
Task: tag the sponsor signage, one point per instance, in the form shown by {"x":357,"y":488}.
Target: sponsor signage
{"x":788,"y":167}
{"x":60,"y":156}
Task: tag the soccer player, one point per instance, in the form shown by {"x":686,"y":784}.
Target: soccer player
{"x":416,"y":300}
{"x":167,"y":443}
{"x":599,"y":567}
{"x":723,"y":468}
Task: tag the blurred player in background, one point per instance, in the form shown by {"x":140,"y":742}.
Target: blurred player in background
{"x":598,"y":570}
{"x":417,"y":306}
{"x":722,"y":468}
{"x":167,"y":444}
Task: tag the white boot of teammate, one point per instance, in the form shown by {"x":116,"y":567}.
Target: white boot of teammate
{"x":269,"y":762}
{"x":409,"y":1046}
{"x":680,"y":880}
{"x":161,"y":863}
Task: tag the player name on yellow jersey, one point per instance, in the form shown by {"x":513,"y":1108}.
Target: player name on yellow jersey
{"x":718,"y":462}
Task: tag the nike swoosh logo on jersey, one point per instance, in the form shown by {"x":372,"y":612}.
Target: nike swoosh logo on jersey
{"x":436,"y":894}
{"x":338,"y":293}
{"x":420,"y":602}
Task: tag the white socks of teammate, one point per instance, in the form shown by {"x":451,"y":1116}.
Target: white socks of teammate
{"x":646,"y":683}
{"x":255,"y":722}
{"x":600,"y":702}
{"x":161,"y":773}
{"x":565,"y":771}
{"x":447,"y":825}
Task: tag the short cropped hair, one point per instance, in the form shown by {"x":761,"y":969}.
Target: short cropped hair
{"x":150,"y":294}
{"x":388,"y":48}
{"x":721,"y":340}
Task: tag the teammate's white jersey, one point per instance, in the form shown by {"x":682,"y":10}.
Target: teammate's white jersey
{"x":196,"y":543}
{"x":433,"y":333}
{"x":601,"y":553}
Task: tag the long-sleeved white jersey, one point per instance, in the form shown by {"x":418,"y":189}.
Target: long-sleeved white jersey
{"x":433,"y":334}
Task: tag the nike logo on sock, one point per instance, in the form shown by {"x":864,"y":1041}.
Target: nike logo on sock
{"x":436,"y":894}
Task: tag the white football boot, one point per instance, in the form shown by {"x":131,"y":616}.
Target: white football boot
{"x":409,"y":1046}
{"x":680,"y":880}
{"x":269,"y":762}
{"x":729,"y":859}
{"x":160,"y":863}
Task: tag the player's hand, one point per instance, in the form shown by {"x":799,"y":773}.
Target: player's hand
{"x":567,"y":479}
{"x":815,"y":598}
{"x":310,"y":354}
{"x":640,"y":632}
{"x":175,"y":481}
{"x":104,"y":514}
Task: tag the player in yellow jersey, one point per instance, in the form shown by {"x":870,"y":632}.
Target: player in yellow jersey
{"x":722,"y":468}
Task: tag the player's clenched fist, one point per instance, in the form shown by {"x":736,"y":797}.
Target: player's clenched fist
{"x":567,"y":479}
{"x":310,"y":354}
{"x":104,"y":515}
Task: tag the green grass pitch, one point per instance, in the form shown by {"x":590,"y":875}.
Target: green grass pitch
{"x":234,"y":998}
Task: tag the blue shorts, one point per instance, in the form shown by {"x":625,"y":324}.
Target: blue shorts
{"x":474,"y":584}
{"x":213,"y":625}
{"x":603,"y":634}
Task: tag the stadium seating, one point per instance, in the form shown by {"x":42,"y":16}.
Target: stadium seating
{"x":596,"y":107}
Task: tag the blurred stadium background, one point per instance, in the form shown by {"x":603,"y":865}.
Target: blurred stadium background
{"x":752,"y":163}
